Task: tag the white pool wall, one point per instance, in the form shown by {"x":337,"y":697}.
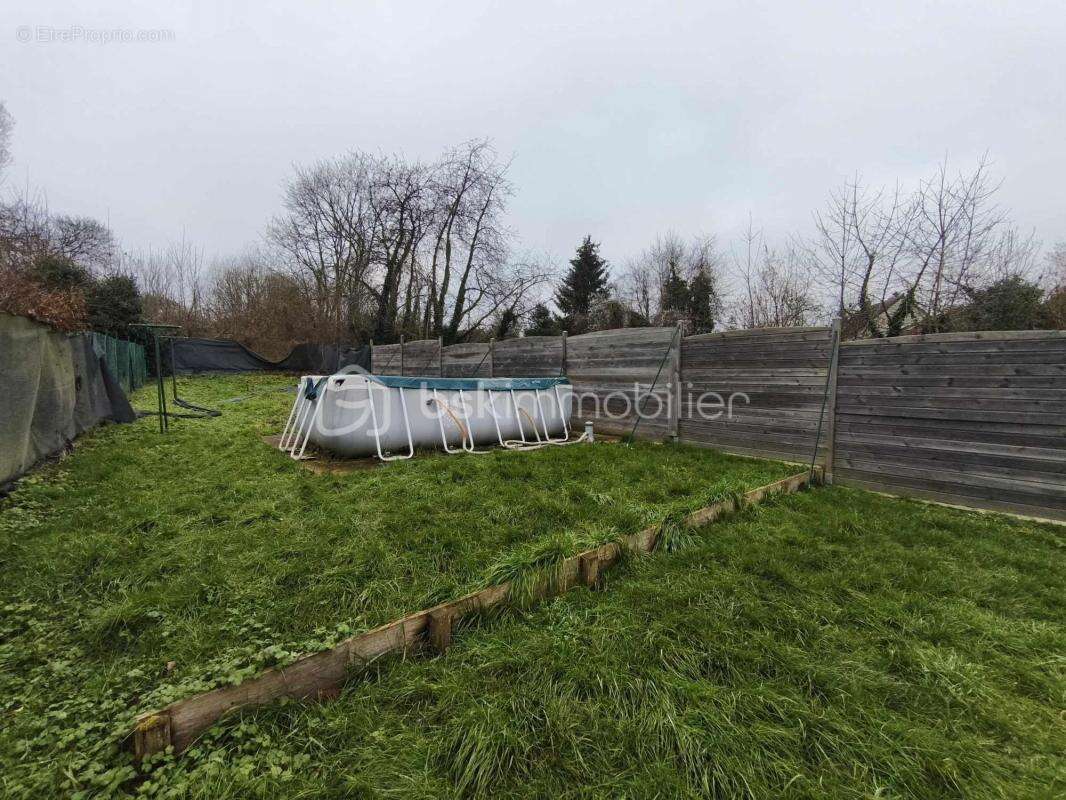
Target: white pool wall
{"x":345,"y":423}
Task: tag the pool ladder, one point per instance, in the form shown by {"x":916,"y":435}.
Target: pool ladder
{"x":302,"y":418}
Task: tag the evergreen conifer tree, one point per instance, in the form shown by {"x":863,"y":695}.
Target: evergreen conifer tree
{"x":586,"y":279}
{"x":703,"y":302}
{"x":675,"y":294}
{"x":542,"y":322}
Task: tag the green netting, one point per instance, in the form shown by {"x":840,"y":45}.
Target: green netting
{"x":127,"y":361}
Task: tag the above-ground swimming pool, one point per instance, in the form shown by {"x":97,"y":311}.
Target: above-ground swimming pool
{"x":391,"y":417}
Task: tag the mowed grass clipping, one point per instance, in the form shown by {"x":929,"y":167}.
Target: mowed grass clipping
{"x":830,"y":644}
{"x":146,"y":567}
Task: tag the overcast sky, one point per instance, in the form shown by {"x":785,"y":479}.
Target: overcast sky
{"x":623,"y":119}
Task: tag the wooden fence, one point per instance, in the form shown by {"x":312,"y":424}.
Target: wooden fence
{"x":421,"y":357}
{"x":758,"y":392}
{"x":529,"y":357}
{"x":468,"y":360}
{"x":386,"y":359}
{"x":973,"y":419}
{"x":615,"y":373}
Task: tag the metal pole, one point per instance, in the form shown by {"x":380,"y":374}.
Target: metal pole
{"x":173,"y":372}
{"x":166,"y":410}
{"x":675,"y":389}
{"x":658,"y":372}
{"x":488,"y":352}
{"x":830,"y":374}
{"x":161,"y":399}
{"x":831,"y":409}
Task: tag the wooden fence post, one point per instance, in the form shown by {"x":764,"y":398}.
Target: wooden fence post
{"x":371,"y":356}
{"x":492,"y":357}
{"x":589,"y":570}
{"x":831,"y":404}
{"x":401,"y":354}
{"x":440,"y":356}
{"x":439,"y":630}
{"x":563,"y":371}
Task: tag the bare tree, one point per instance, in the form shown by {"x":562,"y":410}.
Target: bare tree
{"x":746,"y":265}
{"x":386,"y":246}
{"x":30,"y":231}
{"x":84,"y":240}
{"x":470,"y":244}
{"x":895,"y":261}
{"x":858,"y":248}
{"x":955,"y":224}
{"x":263,"y":307}
{"x":1011,"y":253}
{"x":494,"y":288}
{"x":775,"y":289}
{"x":174,"y":286}
{"x":25,"y":231}
{"x":639,"y":287}
{"x":399,"y":193}
{"x":1055,"y":275}
{"x":644,"y":277}
{"x":833,"y":251}
{"x":328,"y":235}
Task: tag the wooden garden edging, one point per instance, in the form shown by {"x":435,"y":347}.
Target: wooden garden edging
{"x":321,"y":675}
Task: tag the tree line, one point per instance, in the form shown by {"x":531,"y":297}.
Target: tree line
{"x":371,"y":247}
{"x":942,"y":256}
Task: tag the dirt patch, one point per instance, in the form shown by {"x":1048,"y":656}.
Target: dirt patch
{"x":322,"y":463}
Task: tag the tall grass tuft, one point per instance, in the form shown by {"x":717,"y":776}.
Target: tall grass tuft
{"x":674,"y":534}
{"x":532,"y":570}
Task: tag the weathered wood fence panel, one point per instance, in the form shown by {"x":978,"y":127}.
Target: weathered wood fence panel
{"x":755,"y":392}
{"x":613,"y":373}
{"x":528,"y":357}
{"x":468,"y":360}
{"x":385,"y":359}
{"x":421,"y":357}
{"x":970,"y":419}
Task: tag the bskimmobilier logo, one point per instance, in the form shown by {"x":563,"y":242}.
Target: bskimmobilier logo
{"x":621,"y":405}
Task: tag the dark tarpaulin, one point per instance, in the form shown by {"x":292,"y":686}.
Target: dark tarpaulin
{"x":55,"y":387}
{"x":227,"y":355}
{"x":121,"y":409}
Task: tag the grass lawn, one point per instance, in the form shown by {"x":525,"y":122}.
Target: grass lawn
{"x":145,"y":567}
{"x":829,"y":644}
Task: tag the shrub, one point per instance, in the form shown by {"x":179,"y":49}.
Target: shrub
{"x":23,"y":296}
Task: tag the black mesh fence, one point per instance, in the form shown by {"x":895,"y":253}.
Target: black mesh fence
{"x":226,"y":355}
